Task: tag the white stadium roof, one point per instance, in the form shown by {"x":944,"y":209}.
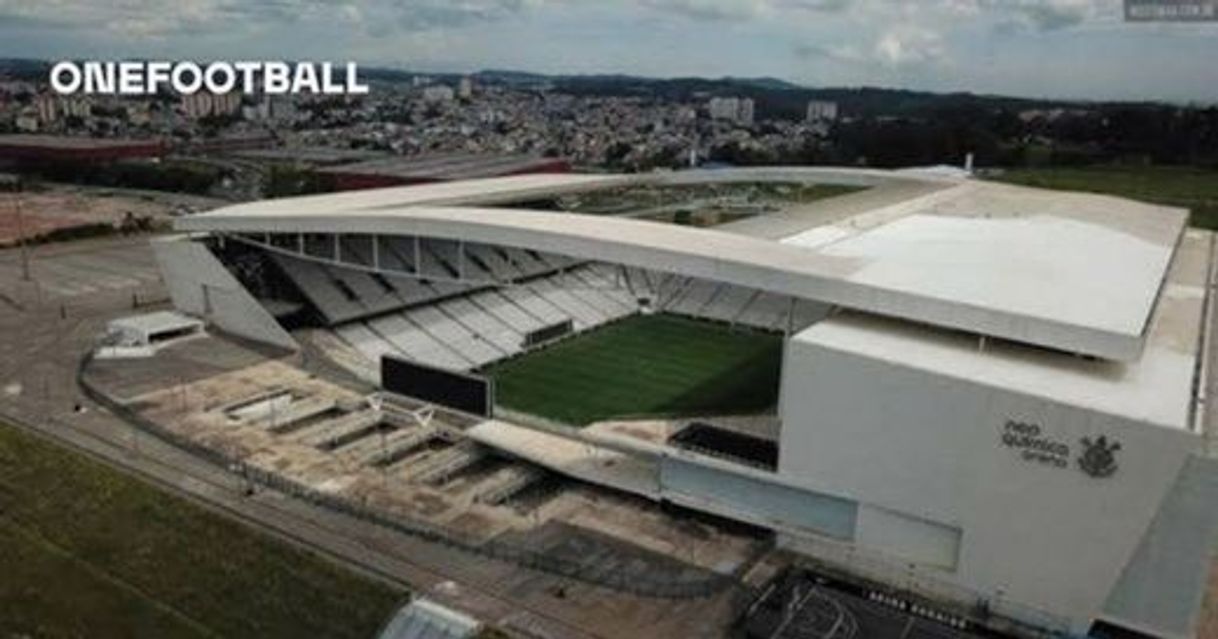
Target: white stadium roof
{"x":1157,"y":389}
{"x":1075,"y":272}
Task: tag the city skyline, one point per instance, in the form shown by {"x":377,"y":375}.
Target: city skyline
{"x":1061,"y":49}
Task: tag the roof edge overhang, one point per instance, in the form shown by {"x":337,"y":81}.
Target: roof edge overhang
{"x":704,"y":253}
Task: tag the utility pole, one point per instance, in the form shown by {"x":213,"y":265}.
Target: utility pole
{"x":25,"y":247}
{"x":13,"y":182}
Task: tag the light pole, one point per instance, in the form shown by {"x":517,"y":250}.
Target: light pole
{"x":14,"y":182}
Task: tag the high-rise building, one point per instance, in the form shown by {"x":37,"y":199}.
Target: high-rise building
{"x":438,"y":93}
{"x":282,"y":109}
{"x":744,"y":114}
{"x":203,"y":104}
{"x":822,"y":111}
{"x":738,"y":110}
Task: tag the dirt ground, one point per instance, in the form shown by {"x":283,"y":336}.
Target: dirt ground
{"x":1207,"y":626}
{"x":65,"y":206}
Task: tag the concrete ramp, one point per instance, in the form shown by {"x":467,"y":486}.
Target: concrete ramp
{"x":571,"y":457}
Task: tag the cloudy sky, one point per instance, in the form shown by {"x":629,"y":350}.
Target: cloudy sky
{"x":1048,"y":48}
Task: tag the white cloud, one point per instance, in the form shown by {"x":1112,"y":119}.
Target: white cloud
{"x":159,"y":19}
{"x":156,"y":18}
{"x":836,"y":53}
{"x":709,"y":9}
{"x":947,"y":44}
{"x":1051,"y":15}
{"x":908,"y":45}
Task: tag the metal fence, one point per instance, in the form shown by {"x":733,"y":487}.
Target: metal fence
{"x":793,"y":608}
{"x":903,"y":581}
{"x":648,"y":586}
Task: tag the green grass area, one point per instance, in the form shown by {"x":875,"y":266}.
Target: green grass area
{"x":86,"y":551}
{"x":1195,"y":189}
{"x":644,"y":365}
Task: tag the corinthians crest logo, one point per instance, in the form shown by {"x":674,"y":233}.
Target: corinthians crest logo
{"x":1099,"y":456}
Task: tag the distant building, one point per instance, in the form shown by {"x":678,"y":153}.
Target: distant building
{"x":138,"y":113}
{"x":47,"y":108}
{"x":821,"y":111}
{"x":491,"y":116}
{"x":26,"y":121}
{"x":282,"y":109}
{"x":52,"y":108}
{"x":722,"y":108}
{"x":438,"y":94}
{"x":256,"y":112}
{"x":36,"y":148}
{"x":745,"y":113}
{"x":1051,"y":115}
{"x":465,"y":89}
{"x":202,"y":105}
{"x":738,"y":110}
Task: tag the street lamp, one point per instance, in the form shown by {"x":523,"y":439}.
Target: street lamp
{"x":13,"y":184}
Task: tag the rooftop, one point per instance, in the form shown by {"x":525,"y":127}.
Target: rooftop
{"x":156,"y":322}
{"x":441,"y":193}
{"x":73,"y":143}
{"x":1054,"y":268}
{"x":426,"y":619}
{"x":1075,"y":272}
{"x":1156,"y":389}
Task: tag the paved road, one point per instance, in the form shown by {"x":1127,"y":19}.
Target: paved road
{"x":39,"y":351}
{"x":1208,"y":625}
{"x":64,"y":274}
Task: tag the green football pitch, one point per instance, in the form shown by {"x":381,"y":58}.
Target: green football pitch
{"x":646,"y":365}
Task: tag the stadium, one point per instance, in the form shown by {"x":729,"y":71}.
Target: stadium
{"x":990,"y":395}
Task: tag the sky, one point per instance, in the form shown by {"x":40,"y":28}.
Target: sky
{"x":1035,"y":48}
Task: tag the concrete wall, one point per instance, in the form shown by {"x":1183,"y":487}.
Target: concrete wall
{"x":200,"y":286}
{"x":909,"y":539}
{"x":928,"y":448}
{"x":1162,"y":586}
{"x":731,"y":491}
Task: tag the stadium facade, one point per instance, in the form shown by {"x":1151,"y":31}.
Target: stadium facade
{"x":991,"y":395}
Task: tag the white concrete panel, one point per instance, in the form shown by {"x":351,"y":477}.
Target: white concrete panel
{"x":908,"y":538}
{"x":756,"y":499}
{"x":1054,"y":268}
{"x":200,"y":285}
{"x":933,"y":446}
{"x":1163,"y":585}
